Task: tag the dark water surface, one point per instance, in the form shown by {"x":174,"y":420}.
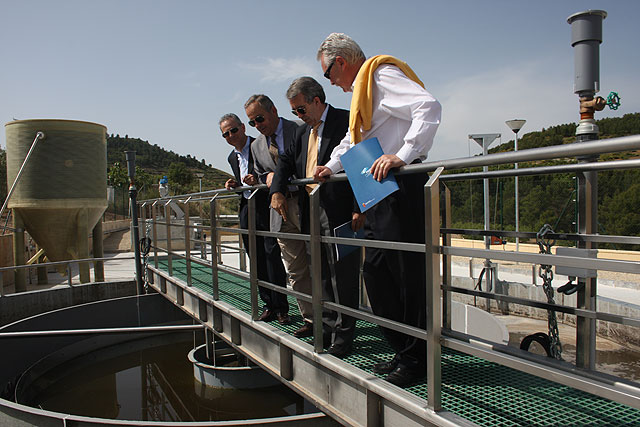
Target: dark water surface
{"x":157,"y":384}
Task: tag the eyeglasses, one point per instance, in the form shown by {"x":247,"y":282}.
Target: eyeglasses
{"x":226,"y":134}
{"x":327,"y":73}
{"x":299,"y":111}
{"x":258,"y":119}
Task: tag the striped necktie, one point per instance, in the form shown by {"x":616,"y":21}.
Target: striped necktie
{"x":273,"y":148}
{"x":312,"y":155}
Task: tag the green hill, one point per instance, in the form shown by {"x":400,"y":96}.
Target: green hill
{"x":542,"y":199}
{"x":156,"y":160}
{"x":549,"y":199}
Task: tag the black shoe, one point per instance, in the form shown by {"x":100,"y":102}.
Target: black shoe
{"x":339,"y":350}
{"x":386,"y":367}
{"x":326,"y":340}
{"x":404,"y":376}
{"x":305,"y":331}
{"x":267,"y":316}
{"x":283,"y":318}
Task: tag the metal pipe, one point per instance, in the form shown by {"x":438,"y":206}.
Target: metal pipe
{"x":545,"y":170}
{"x":133,"y":192}
{"x":141,"y":329}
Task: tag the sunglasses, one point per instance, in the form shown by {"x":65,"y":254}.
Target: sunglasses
{"x":299,"y":111}
{"x":327,"y":73}
{"x":226,"y":134}
{"x":258,"y":119}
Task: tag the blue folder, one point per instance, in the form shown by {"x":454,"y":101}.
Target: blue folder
{"x":345,"y":230}
{"x":357,"y":163}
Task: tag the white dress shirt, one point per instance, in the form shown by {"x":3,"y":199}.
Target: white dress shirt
{"x":405,"y":118}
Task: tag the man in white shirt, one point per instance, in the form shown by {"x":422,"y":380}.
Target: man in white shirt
{"x":404,"y":117}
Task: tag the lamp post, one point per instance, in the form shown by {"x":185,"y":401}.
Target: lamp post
{"x":515,"y":125}
{"x":200,"y":175}
{"x":485,"y":140}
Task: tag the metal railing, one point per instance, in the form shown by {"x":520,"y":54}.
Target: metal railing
{"x":68,"y":268}
{"x":438,"y":331}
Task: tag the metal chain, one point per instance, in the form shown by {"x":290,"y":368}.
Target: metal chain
{"x":546,"y":274}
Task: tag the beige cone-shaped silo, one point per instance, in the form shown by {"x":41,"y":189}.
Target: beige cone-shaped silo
{"x":61,"y":194}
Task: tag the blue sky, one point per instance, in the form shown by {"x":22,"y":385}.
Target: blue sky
{"x":166,"y":71}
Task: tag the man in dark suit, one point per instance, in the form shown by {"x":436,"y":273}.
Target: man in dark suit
{"x":276,"y":136}
{"x":270,"y":267}
{"x":324,"y":128}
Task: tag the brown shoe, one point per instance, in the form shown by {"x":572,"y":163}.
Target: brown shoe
{"x":283,"y":318}
{"x":267,"y":316}
{"x":305,"y":331}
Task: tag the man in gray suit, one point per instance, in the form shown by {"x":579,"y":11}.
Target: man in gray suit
{"x":277,"y":135}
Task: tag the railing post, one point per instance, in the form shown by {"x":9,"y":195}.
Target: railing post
{"x":214,"y":248}
{"x":154,"y":231}
{"x":167,"y":219}
{"x":187,"y":241}
{"x":316,"y":268}
{"x":432,"y":243}
{"x":586,"y":297}
{"x":253,"y":260}
{"x":69,"y":275}
{"x":242,"y":259}
{"x":446,"y":261}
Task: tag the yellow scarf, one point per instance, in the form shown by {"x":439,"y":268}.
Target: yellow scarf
{"x":362,"y":99}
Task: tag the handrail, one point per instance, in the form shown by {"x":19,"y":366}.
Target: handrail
{"x":578,"y":149}
{"x":435,"y":251}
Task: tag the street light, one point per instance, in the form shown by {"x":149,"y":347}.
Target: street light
{"x":200,"y":175}
{"x":489,"y":269}
{"x":515,"y":125}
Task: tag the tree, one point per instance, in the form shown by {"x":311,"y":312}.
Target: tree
{"x":179,"y":175}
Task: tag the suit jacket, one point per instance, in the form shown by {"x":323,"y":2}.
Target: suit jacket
{"x":335,"y":197}
{"x":262,"y":202}
{"x":264,"y":164}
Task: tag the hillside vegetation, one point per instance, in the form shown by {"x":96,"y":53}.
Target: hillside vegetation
{"x":549,"y":199}
{"x":543,"y":199}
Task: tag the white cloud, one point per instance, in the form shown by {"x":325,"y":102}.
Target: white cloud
{"x":535,"y":91}
{"x":282,"y":69}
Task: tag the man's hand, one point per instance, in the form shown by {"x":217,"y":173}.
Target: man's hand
{"x":384,"y":164}
{"x":231,"y":184}
{"x":279,"y":204}
{"x":270,"y":178}
{"x":250,"y":179}
{"x":357,"y":220}
{"x":321,"y":173}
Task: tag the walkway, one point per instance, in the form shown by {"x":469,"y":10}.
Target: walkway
{"x":479,"y":391}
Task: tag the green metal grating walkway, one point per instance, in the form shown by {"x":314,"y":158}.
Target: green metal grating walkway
{"x":482,"y":392}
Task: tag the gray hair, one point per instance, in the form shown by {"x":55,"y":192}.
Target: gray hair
{"x":230,"y":116}
{"x":263,"y":100}
{"x":308,"y":87}
{"x":339,"y":44}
